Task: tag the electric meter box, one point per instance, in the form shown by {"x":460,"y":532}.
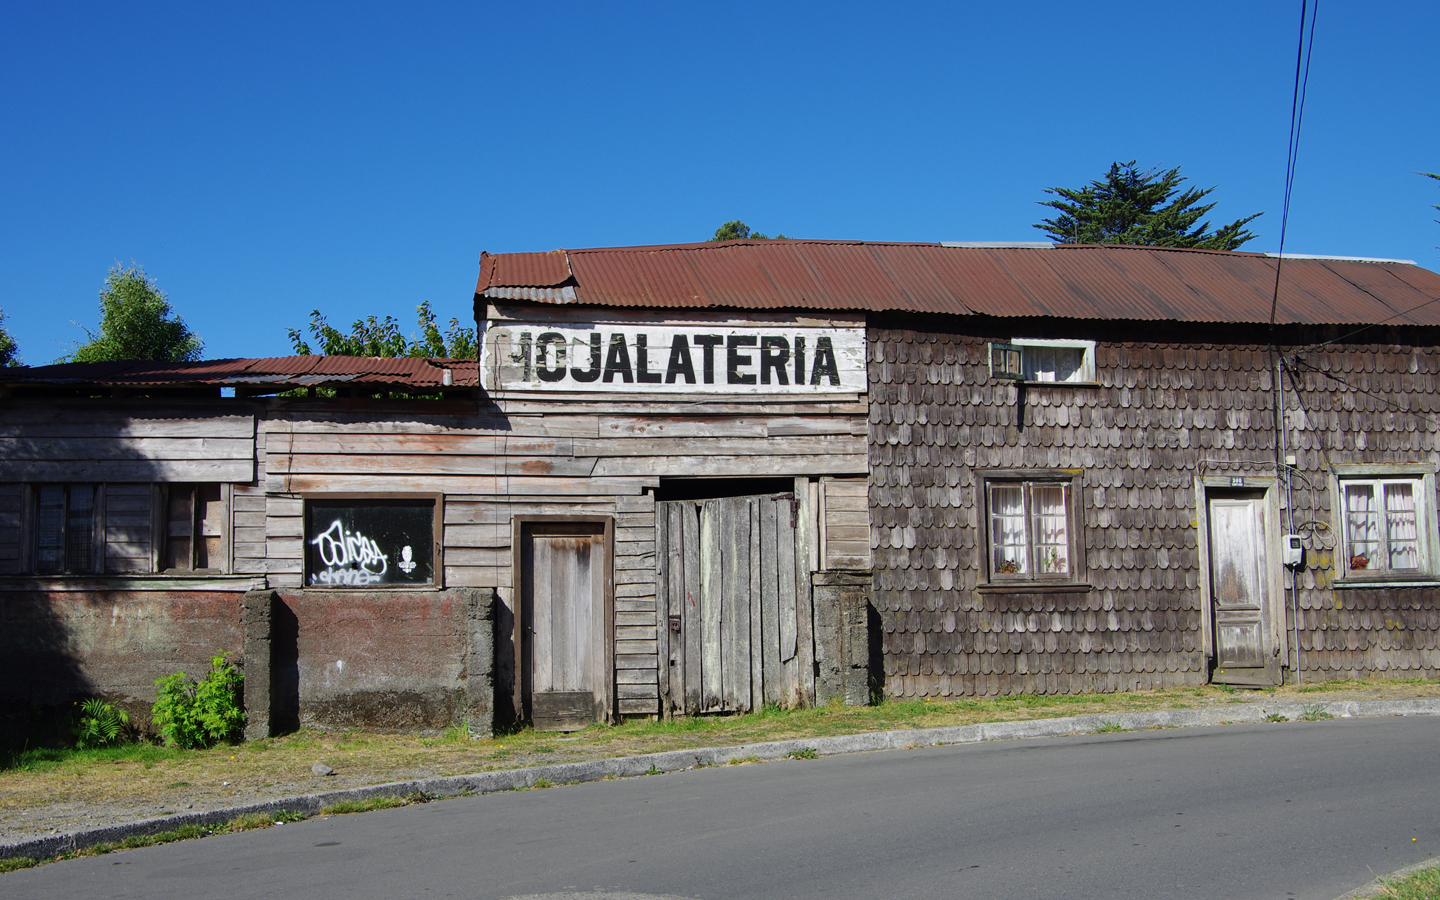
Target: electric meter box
{"x":1292,"y":551}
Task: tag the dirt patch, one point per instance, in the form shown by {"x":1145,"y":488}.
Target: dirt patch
{"x":112,"y":787}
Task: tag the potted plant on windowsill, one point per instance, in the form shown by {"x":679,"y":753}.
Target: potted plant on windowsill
{"x":1359,"y":562}
{"x":1007,"y":567}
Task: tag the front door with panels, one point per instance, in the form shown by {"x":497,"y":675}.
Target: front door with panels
{"x":562,"y":639}
{"x":1240,"y":592}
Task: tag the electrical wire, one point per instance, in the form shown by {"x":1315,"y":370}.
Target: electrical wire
{"x":1303,"y":54}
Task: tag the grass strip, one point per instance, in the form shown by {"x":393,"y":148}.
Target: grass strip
{"x":1421,"y":885}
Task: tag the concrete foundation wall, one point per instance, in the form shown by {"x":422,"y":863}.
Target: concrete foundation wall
{"x":57,"y":647}
{"x":381,"y":659}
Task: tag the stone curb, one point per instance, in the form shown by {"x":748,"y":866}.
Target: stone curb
{"x":679,"y":760}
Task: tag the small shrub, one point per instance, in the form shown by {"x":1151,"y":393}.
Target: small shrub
{"x":195,"y":715}
{"x":99,"y":724}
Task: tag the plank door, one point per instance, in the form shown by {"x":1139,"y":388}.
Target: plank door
{"x":563,"y":625}
{"x":1240,"y":593}
{"x":729,"y":585}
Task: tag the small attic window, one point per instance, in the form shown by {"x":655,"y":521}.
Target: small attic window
{"x":1044,"y":361}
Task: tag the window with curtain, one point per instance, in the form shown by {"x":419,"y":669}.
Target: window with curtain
{"x":1031,"y":535}
{"x":1385,"y":521}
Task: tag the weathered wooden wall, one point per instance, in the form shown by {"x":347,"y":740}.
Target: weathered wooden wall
{"x":602,"y":456}
{"x":1171,"y":404}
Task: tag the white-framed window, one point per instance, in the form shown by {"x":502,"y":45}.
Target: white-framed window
{"x":1031,"y":529}
{"x":1044,"y":361}
{"x":1386,"y":525}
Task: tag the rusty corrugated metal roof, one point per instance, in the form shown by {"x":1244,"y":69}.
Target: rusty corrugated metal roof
{"x":280,"y":372}
{"x":1068,"y":281}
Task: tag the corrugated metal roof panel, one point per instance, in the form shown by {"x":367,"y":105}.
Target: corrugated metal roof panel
{"x":297,"y":371}
{"x":550,"y":269}
{"x":1068,"y":281}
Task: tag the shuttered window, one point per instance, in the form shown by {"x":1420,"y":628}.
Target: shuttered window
{"x":65,"y":529}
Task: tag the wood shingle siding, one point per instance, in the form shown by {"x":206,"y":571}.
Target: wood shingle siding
{"x":1162,"y":415}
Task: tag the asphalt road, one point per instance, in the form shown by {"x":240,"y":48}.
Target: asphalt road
{"x":1302,"y":810}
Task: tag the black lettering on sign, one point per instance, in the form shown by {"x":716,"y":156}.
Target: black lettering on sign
{"x":642,"y":361}
{"x":522,"y":355}
{"x":680,"y":361}
{"x":542,"y":353}
{"x":825,"y":362}
{"x":617,"y":360}
{"x":799,"y":359}
{"x":709,"y":342}
{"x":774,"y":353}
{"x":592,"y":373}
{"x":734,"y":360}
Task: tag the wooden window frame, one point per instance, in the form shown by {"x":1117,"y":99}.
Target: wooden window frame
{"x":160,"y":530}
{"x":437,"y":538}
{"x":30,"y":529}
{"x":1075,"y":577}
{"x":1087,"y":367}
{"x":1422,"y":477}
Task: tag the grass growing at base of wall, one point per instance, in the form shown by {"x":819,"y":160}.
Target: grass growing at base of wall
{"x":69,"y":790}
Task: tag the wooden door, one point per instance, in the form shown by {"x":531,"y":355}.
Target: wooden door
{"x":563,"y":567}
{"x":1240,"y":592}
{"x":729,"y":594}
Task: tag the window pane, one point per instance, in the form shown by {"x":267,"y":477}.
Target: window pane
{"x":80,"y":529}
{"x":50,"y":529}
{"x":1054,"y":363}
{"x":1362,"y":526}
{"x":1402,"y":536}
{"x":1052,"y":545}
{"x":1007,"y":529}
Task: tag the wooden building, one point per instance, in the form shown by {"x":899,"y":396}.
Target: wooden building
{"x":701,"y":478}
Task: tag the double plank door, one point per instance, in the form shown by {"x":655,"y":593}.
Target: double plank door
{"x":734,"y":605}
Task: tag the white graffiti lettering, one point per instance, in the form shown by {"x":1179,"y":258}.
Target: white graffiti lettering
{"x":350,"y":557}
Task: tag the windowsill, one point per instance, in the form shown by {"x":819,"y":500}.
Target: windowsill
{"x":1034,"y":587}
{"x":1384,"y":582}
{"x":1082,"y":384}
{"x":76,"y":583}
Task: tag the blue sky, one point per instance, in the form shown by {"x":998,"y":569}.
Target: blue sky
{"x":263,"y":160}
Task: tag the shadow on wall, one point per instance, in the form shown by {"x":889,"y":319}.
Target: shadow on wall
{"x":284,"y":669}
{"x":40,"y":672}
{"x":504,"y":669}
{"x":875,"y":652}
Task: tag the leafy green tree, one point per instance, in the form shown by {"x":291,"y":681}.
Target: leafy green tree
{"x":136,"y":323}
{"x":1129,"y":206}
{"x":9,"y":351}
{"x":381,"y":337}
{"x":736,"y":230}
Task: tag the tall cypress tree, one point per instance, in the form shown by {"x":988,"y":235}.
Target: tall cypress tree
{"x":1129,"y":206}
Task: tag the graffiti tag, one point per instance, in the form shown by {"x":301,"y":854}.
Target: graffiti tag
{"x":349,"y":556}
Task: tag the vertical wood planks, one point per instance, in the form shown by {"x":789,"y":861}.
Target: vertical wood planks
{"x":769,"y":601}
{"x":663,"y":567}
{"x":785,"y":582}
{"x":690,"y":603}
{"x":757,"y":621}
{"x":712,"y":586}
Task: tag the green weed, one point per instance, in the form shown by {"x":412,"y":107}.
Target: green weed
{"x":1314,"y":712}
{"x":1422,"y":885}
{"x":802,"y":753}
{"x":194,"y":714}
{"x":345,"y":807}
{"x":1276,"y":717}
{"x":1109,"y":728}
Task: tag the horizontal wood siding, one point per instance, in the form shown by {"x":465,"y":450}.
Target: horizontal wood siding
{"x":129,"y":529}
{"x":10,"y":497}
{"x":554,"y":459}
{"x":1161,"y":414}
{"x":45,"y":442}
{"x":845,"y":526}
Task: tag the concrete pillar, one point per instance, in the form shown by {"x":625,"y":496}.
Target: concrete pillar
{"x":480,"y":661}
{"x":257,"y":614}
{"x":842,"y":646}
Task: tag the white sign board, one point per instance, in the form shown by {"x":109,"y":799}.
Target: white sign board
{"x":699,"y":358}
